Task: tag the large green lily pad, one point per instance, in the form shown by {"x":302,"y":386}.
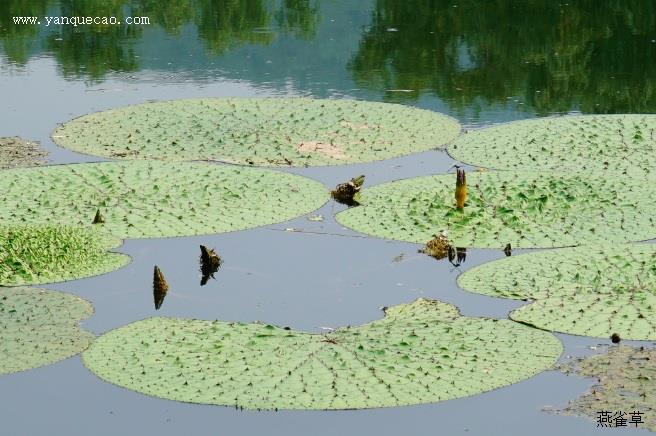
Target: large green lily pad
{"x":31,"y":255}
{"x":420,"y":352}
{"x":527,"y":210}
{"x":588,"y":290}
{"x":596,"y":144}
{"x":17,"y":152}
{"x":40,"y":327}
{"x":156,"y":199}
{"x":265,"y":132}
{"x":625,"y":385}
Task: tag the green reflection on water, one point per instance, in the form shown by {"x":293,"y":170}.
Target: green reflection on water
{"x":590,"y":55}
{"x":525,"y":57}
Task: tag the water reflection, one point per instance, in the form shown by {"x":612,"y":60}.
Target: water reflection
{"x":457,"y":255}
{"x":531,"y":57}
{"x":555,"y":57}
{"x":15,"y":40}
{"x":91,"y":51}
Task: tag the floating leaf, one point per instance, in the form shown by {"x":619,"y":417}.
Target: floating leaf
{"x":40,"y":327}
{"x":625,"y":385}
{"x":420,"y":352}
{"x":527,"y":210}
{"x":156,"y":199}
{"x":44,"y":254}
{"x":592,"y":291}
{"x":16,"y":152}
{"x":265,"y":132}
{"x":597,"y":144}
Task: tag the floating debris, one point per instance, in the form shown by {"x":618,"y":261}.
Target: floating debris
{"x":507,"y":250}
{"x":210,"y":262}
{"x":438,"y":247}
{"x":348,"y":193}
{"x":98,"y":219}
{"x":16,"y":152}
{"x":615,"y":338}
{"x":624,"y":382}
{"x":461,"y":188}
{"x":160,"y":287}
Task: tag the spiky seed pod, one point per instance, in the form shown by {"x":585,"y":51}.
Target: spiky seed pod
{"x":345,"y":192}
{"x":98,"y":219}
{"x":209,"y":263}
{"x":439,"y":247}
{"x":160,"y":287}
{"x":615,"y":338}
{"x":461,"y":189}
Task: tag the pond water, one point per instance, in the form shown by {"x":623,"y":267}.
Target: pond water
{"x":482,"y":62}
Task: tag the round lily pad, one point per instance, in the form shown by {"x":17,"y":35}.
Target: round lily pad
{"x":624,"y":388}
{"x":40,"y":327}
{"x":598,"y":143}
{"x":527,"y":210}
{"x":16,"y":152}
{"x":587,"y":290}
{"x":259,"y":131}
{"x":419,"y":353}
{"x":32,"y":255}
{"x":156,"y":199}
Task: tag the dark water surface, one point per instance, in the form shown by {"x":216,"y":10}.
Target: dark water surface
{"x":482,"y":62}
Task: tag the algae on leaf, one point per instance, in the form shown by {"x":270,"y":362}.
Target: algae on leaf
{"x":526,"y":210}
{"x":141,"y":199}
{"x":16,"y":152}
{"x":419,"y":353}
{"x":597,"y":144}
{"x":31,"y":255}
{"x":259,"y":131}
{"x":625,"y":386}
{"x":588,"y":290}
{"x":39,"y":327}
